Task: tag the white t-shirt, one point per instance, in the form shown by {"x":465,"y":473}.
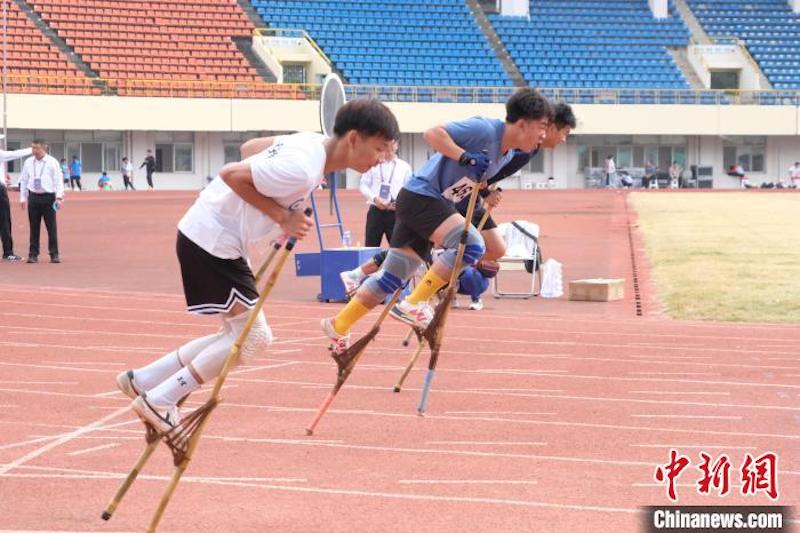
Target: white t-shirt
{"x":226,"y":226}
{"x":794,"y":172}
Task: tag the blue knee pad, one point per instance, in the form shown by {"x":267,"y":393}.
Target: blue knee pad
{"x":473,"y":251}
{"x":397,"y":268}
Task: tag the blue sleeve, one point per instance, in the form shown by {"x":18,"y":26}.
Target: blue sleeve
{"x":473,"y":135}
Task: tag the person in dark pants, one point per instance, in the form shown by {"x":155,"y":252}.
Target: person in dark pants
{"x":127,"y":174}
{"x":380,"y":185}
{"x":149,"y":165}
{"x":5,"y":206}
{"x":41,"y":187}
{"x":75,"y":169}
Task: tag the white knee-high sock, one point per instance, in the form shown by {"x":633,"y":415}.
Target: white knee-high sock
{"x":149,"y":376}
{"x":207,"y":365}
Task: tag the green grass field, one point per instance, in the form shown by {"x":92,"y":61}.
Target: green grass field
{"x":724,"y":256}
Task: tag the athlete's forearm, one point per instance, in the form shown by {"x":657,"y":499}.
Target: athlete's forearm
{"x":239,"y":179}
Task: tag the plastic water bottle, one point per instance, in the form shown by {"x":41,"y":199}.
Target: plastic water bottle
{"x":56,"y":206}
{"x":347,"y":239}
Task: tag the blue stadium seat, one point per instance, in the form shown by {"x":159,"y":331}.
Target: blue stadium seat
{"x":769,"y":29}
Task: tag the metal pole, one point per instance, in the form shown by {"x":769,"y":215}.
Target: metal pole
{"x":5,"y":75}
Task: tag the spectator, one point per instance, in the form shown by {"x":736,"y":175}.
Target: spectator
{"x":65,"y":172}
{"x":5,"y":207}
{"x":127,"y":174}
{"x":75,"y":173}
{"x":104,"y":182}
{"x":41,"y":187}
{"x":649,"y":174}
{"x":380,"y":186}
{"x":610,"y":169}
{"x":794,"y":174}
{"x":150,"y":167}
{"x":676,"y":175}
{"x":474,"y":281}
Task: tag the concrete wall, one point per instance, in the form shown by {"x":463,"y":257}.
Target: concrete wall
{"x":143,"y":119}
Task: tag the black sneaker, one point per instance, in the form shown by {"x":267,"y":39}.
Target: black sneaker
{"x":54,"y":259}
{"x":12,"y":258}
{"x":32,"y":259}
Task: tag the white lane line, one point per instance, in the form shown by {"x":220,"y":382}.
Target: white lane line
{"x":520,"y":421}
{"x":674,"y":373}
{"x":626,"y":399}
{"x":530,"y":413}
{"x":4,"y":469}
{"x":680,"y":393}
{"x":8,"y":405}
{"x":265,"y":367}
{"x":51,"y":393}
{"x":89,"y":363}
{"x":503,"y":389}
{"x":207,"y":479}
{"x":695,"y":446}
{"x":375,"y":494}
{"x":109,"y":393}
{"x":466,"y":482}
{"x":17,"y":382}
{"x":61,"y":367}
{"x":703,"y":417}
{"x":45,"y":438}
{"x":95,"y":449}
{"x":487,"y":443}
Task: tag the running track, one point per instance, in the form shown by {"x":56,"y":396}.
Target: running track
{"x":546,"y":415}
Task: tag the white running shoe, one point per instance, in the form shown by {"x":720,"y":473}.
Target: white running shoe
{"x":126,"y":384}
{"x":339,"y":343}
{"x":163,"y":420}
{"x":350,"y":280}
{"x":415,"y":315}
{"x":476,"y":305}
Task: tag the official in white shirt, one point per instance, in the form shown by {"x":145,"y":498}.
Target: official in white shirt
{"x":380,"y":185}
{"x":41,"y":187}
{"x":5,"y":205}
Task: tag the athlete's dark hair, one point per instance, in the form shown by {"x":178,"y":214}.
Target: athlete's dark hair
{"x":529,"y":105}
{"x":368,"y":117}
{"x":563,"y":116}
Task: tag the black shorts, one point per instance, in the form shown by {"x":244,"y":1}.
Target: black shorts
{"x":418,"y":216}
{"x":213,"y":285}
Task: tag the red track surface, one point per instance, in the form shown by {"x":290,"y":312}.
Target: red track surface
{"x":546,"y":415}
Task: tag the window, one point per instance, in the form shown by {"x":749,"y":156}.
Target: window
{"x":184,"y":157}
{"x":15,"y":165}
{"x":536,"y":165}
{"x":624,"y":156}
{"x":164,"y":158}
{"x":111,"y":157}
{"x":747,"y":151}
{"x":232,"y":154}
{"x":92,"y":157}
{"x":294,"y":73}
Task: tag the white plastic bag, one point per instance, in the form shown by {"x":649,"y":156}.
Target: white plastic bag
{"x":552,"y":279}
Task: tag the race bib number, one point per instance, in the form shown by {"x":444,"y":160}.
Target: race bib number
{"x":459,"y":190}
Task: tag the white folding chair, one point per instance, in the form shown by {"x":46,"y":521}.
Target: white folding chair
{"x":522,"y":245}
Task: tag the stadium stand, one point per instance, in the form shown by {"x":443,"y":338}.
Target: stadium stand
{"x":394,"y":42}
{"x":585,"y":43}
{"x":160,"y":47}
{"x":35,"y":65}
{"x":768,"y":28}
